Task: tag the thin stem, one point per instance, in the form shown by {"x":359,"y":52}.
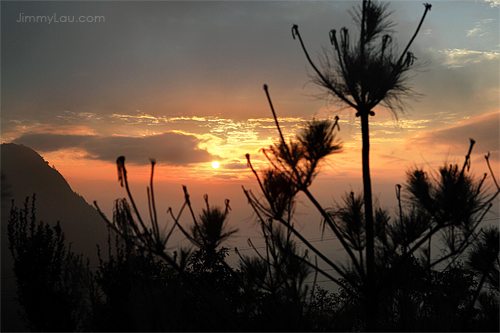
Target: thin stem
{"x":324,"y":273}
{"x":153,"y":203}
{"x":341,"y":60}
{"x":487,"y":157}
{"x":296,"y":233}
{"x":337,"y":233}
{"x":275,"y":117}
{"x":467,"y":157}
{"x":427,"y":8}
{"x":466,"y":242}
{"x":196,"y":225}
{"x":121,"y":166}
{"x":362,"y":41}
{"x":316,"y":251}
{"x":258,"y":178}
{"x":315,"y":279}
{"x":328,"y":84}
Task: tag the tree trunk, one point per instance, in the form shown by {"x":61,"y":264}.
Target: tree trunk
{"x":370,"y":291}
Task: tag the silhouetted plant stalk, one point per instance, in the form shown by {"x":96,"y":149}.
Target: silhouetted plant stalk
{"x":294,"y":166}
{"x":487,"y":157}
{"x":135,"y":233}
{"x":281,"y":270}
{"x":261,"y":210}
{"x":313,"y":145}
{"x":455,"y":203}
{"x":451,"y":206}
{"x":210,"y":231}
{"x":365,"y":75}
{"x":283,"y":265}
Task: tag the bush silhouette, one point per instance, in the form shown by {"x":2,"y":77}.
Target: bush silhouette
{"x":53,"y":282}
{"x":430,"y":266}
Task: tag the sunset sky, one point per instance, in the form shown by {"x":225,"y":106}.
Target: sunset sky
{"x":182,"y":82}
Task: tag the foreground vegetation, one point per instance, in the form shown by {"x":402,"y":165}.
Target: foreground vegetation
{"x":432,"y":266}
{"x":141,"y":286}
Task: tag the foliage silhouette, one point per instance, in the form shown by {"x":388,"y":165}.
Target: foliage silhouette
{"x":150,"y":240}
{"x":277,"y":278}
{"x":391,"y":281}
{"x":362,"y":75}
{"x":144,"y":293}
{"x":484,"y":259}
{"x":52,"y":281}
{"x":130,"y":285}
{"x":450,"y":207}
{"x":210,"y":232}
{"x":135,"y":289}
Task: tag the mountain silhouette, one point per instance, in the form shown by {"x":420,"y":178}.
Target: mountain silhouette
{"x":25,"y":172}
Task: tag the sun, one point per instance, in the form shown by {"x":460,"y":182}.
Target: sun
{"x":215,"y":165}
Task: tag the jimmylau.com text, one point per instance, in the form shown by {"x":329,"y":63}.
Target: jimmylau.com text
{"x":54,"y":18}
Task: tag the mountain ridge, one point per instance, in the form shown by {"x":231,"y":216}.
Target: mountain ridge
{"x":24,"y":173}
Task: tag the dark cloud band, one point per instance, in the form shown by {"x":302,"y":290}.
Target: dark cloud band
{"x":169,"y":148}
{"x":484,"y":129}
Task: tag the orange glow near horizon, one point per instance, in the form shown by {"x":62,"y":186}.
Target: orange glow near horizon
{"x":390,"y":159}
{"x":394,"y":148}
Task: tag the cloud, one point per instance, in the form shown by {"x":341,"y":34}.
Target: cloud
{"x":478,"y":29}
{"x":46,"y":142}
{"x":169,"y":148}
{"x":392,"y":159}
{"x":459,"y":81}
{"x":460,"y":57}
{"x":140,"y":118}
{"x":493,"y":3}
{"x":221,"y":137}
{"x":236,"y":165}
{"x":484,"y":129}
